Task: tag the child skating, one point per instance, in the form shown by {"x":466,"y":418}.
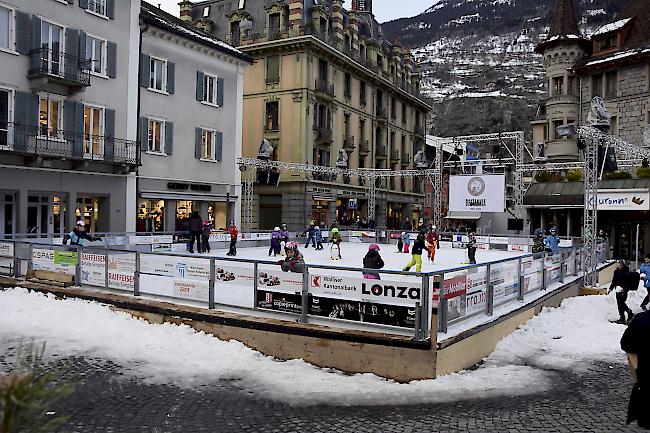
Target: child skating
{"x":275,"y":242}
{"x":284,"y":238}
{"x":406,"y":241}
{"x":416,"y":254}
{"x":318,"y":234}
{"x":335,"y":240}
{"x":372,"y":260}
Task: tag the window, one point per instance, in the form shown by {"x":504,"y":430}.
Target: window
{"x":50,"y":117}
{"x":362,"y":92}
{"x":611,"y":84}
{"x":380,"y":61}
{"x":274,"y":26}
{"x":323,"y":70}
{"x":235,"y":33}
{"x":273,"y":69}
{"x":208,"y":144}
{"x":93,"y":131}
{"x":607,"y":43}
{"x":597,"y":85}
{"x":97,"y":6}
{"x":558,"y":84}
{"x":158,"y":74}
{"x":272,"y":116}
{"x":210,"y":89}
{"x":393,"y":109}
{"x":52,"y":47}
{"x":362,"y":131}
{"x":404,"y":116}
{"x":156,"y":136}
{"x":570,"y":87}
{"x":96,"y":53}
{"x":6,"y":102}
{"x":206,"y":11}
{"x":6,"y":28}
{"x":614,"y":126}
{"x":556,"y":125}
{"x":348,"y":85}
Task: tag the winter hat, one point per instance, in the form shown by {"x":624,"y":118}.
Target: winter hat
{"x":373,"y":247}
{"x":291,"y":246}
{"x":335,"y":230}
{"x":81,"y":223}
{"x":276,"y":229}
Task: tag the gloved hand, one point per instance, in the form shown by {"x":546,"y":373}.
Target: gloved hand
{"x":281,"y":262}
{"x":293,"y":262}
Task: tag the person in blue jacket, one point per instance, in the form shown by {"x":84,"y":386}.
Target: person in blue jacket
{"x":319,"y":238}
{"x":552,"y":241}
{"x":79,"y":235}
{"x":644,"y":270}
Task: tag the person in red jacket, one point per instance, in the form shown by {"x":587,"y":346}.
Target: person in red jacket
{"x":434,"y":241}
{"x":232,"y":229}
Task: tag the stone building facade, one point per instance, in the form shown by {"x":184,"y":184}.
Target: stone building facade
{"x":325,"y":80}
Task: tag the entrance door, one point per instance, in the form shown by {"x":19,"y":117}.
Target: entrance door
{"x":40,"y":222}
{"x":7,"y":215}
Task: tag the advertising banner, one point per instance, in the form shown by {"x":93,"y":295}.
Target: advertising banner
{"x":360,"y":289}
{"x":6,"y":249}
{"x":454,"y":287}
{"x":56,"y":261}
{"x":93,"y":269}
{"x":233,"y":285}
{"x":484,"y":193}
{"x":363,"y":312}
{"x":280,"y":291}
{"x":476,"y":299}
{"x":623,"y":200}
{"x":121,"y":271}
{"x":174,"y":287}
{"x":175,"y":267}
{"x":518,"y":248}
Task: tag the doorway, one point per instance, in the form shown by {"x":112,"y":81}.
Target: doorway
{"x":46,"y":215}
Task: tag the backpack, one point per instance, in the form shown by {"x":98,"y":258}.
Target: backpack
{"x":633,"y":279}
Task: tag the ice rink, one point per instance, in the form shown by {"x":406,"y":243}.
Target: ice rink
{"x":352,"y":256}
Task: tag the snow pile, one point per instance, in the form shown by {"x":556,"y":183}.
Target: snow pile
{"x":178,"y":355}
{"x":607,"y":28}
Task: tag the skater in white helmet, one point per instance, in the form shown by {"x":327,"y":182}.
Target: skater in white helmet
{"x":335,"y":240}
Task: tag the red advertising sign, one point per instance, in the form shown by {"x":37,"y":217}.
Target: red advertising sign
{"x":454,"y":287}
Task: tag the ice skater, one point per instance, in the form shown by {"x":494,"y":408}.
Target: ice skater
{"x":552,"y":242}
{"x":416,"y":254}
{"x":622,"y":283}
{"x":294,"y":262}
{"x":310,"y":233}
{"x":275,"y":242}
{"x":232,"y":229}
{"x":318,"y":234}
{"x":471,"y":249}
{"x":433,"y":242}
{"x":372,"y":260}
{"x":644,"y":270}
{"x":406,"y":241}
{"x":538,"y":241}
{"x":335,"y":240}
{"x":205,"y":236}
{"x":284,"y":238}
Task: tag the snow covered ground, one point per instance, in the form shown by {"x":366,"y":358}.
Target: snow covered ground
{"x":572,"y":336}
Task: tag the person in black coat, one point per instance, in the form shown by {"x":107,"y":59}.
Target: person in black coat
{"x":196,"y":228}
{"x":311,"y":234}
{"x":620,"y":282}
{"x":471,"y":249}
{"x":635,"y":344}
{"x":372,"y":260}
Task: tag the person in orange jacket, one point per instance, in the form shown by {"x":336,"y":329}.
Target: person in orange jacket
{"x":433,"y":242}
{"x":232,"y":229}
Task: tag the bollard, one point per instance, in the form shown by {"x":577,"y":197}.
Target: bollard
{"x":255,"y":283}
{"x":136,"y":275}
{"x":426,"y":307}
{"x":561,"y":267}
{"x":544,"y":273}
{"x":489,"y":295}
{"x":211,"y":285}
{"x":520,"y":276}
{"x":77,"y":270}
{"x":305,"y":294}
{"x":575,"y":262}
{"x":418,"y":322}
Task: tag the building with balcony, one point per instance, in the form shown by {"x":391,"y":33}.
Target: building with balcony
{"x":324,"y":79}
{"x":190,"y":123}
{"x":614,"y":63}
{"x":68,"y":118}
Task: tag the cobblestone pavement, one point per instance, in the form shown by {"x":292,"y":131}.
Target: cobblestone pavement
{"x":108,"y":400}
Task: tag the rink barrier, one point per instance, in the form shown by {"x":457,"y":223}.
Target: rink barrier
{"x":507,"y":280}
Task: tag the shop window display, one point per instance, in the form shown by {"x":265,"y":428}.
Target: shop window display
{"x":151,"y":216}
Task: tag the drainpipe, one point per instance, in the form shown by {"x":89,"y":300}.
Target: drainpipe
{"x":138,"y":123}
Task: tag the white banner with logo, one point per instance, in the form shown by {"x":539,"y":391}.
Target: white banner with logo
{"x":55,"y":261}
{"x":6,"y":249}
{"x":121,"y":271}
{"x":93,"y":269}
{"x":233,"y":285}
{"x":363,"y":290}
{"x":484,"y":193}
{"x":173,"y":276}
{"x":623,"y":200}
{"x":278,"y":281}
{"x":174,"y":287}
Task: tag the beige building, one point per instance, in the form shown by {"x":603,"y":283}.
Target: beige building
{"x":325,"y":79}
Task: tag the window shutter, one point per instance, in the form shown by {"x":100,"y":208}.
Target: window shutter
{"x":82,"y":46}
{"x":21,"y":119}
{"x":169,"y":138}
{"x":110,"y":9}
{"x":144,"y":134}
{"x":36,"y":42}
{"x":199,"y":85}
{"x":111,"y":59}
{"x":218,"y":151}
{"x":145,"y":70}
{"x":72,"y":42}
{"x":83,"y":4}
{"x":72,"y":122}
{"x":220,"y":92}
{"x":109,"y":134}
{"x":22,"y":32}
{"x":197,"y":143}
{"x":171,"y":77}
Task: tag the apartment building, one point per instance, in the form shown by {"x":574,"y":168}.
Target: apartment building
{"x":68,"y":116}
{"x":324,"y":80}
{"x":191,"y":90}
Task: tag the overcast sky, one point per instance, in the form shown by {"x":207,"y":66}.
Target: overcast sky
{"x":385,"y":10}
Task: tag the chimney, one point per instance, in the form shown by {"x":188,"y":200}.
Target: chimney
{"x":354,"y":28}
{"x":185,"y":10}
{"x":337,"y":20}
{"x":296,"y":13}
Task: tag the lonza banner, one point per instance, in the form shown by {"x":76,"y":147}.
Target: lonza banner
{"x":484,"y":193}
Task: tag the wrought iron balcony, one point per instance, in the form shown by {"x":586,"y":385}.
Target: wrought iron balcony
{"x":348,"y":144}
{"x":324,"y":87}
{"x":380,"y":151}
{"x":394,"y":155}
{"x":406,"y":159}
{"x":364,"y":147}
{"x":381,"y":114}
{"x":59,"y":68}
{"x":46,"y":142}
{"x":323,"y":134}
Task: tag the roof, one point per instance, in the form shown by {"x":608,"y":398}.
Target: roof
{"x":152,"y":15}
{"x":564,"y":26}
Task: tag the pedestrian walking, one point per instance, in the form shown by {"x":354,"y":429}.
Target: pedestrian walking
{"x":407,"y":226}
{"x":275,"y":242}
{"x":372,"y":260}
{"x":310,"y":232}
{"x":471,"y":249}
{"x":205,"y":236}
{"x":416,"y":254}
{"x":644,"y":270}
{"x":232,"y":229}
{"x":622,"y":283}
{"x":196,"y":227}
{"x":635,"y":343}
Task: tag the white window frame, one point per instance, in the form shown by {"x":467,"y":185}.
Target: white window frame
{"x":10,"y":117}
{"x":94,"y":12}
{"x":213,"y":145}
{"x":214,"y":94}
{"x":104,"y":55}
{"x":100,"y":136}
{"x":49,"y":97}
{"x":62,"y":52}
{"x":11,"y":48}
{"x":163,"y":130}
{"x":152,"y":75}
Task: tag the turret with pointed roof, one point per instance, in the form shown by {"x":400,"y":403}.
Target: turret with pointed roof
{"x":564,"y":27}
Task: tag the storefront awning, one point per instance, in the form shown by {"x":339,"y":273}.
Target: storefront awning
{"x":182,"y":196}
{"x":560,"y":195}
{"x":451,"y":215}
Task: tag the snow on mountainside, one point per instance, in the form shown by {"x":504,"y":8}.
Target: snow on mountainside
{"x":484,"y":49}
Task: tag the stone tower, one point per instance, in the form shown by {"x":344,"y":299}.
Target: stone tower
{"x":562,"y":50}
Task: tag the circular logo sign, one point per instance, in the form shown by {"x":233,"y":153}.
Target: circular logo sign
{"x":476,"y":186}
